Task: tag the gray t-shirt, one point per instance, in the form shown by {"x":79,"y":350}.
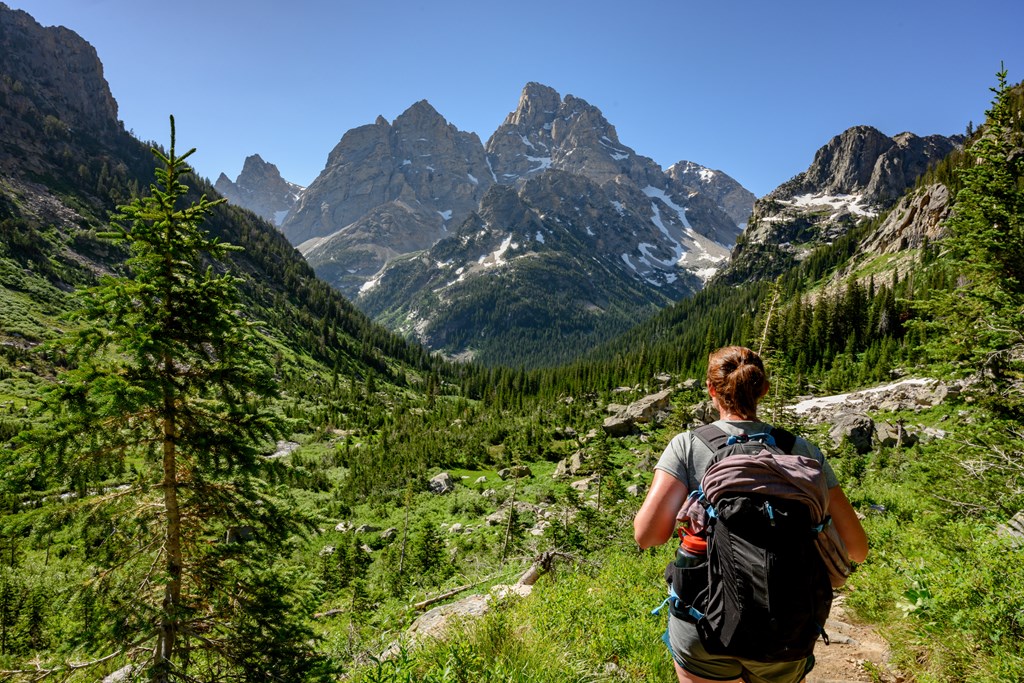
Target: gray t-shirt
{"x":686,"y":457}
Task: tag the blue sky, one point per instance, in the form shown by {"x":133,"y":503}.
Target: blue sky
{"x":752,"y":88}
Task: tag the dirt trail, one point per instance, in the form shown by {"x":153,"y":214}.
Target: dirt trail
{"x":857,"y":653}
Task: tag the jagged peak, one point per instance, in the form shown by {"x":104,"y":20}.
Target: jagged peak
{"x":538,"y":104}
{"x":419,"y":114}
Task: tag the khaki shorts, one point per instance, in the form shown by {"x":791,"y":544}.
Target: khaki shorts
{"x":684,"y":643}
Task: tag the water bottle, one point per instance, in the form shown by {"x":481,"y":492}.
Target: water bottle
{"x":692,"y":551}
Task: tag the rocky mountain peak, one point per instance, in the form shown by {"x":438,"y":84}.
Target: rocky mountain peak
{"x":538,"y":105}
{"x":857,"y":174}
{"x":845,"y":164}
{"x":261,"y":189}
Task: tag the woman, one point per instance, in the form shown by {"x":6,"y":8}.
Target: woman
{"x":736,"y":381}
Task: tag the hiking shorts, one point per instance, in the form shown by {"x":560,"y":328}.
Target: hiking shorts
{"x":684,"y":643}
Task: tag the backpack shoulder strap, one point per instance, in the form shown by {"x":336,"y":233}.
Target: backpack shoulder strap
{"x":712,"y":436}
{"x":784,"y":440}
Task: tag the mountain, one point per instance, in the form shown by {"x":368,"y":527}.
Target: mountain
{"x":261,"y":189}
{"x":67,"y":162}
{"x":856,"y":175}
{"x":536,"y":275}
{"x":401,"y":207}
{"x":731,"y":197}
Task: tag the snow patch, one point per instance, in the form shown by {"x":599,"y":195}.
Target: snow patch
{"x":446,"y":215}
{"x":543,"y":163}
{"x":539,"y":237}
{"x":497,"y":257}
{"x":372,"y":282}
{"x":472,"y":179}
{"x":656,"y":193}
{"x":628,"y":261}
{"x":854,"y":203}
{"x":856,"y":396}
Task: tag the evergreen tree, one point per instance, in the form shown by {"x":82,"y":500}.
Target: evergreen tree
{"x":981,"y":318}
{"x":169,"y":378}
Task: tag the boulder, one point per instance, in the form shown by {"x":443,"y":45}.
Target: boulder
{"x":481,"y":480}
{"x":564,"y":434}
{"x":366,"y":529}
{"x":578,"y":462}
{"x":645,"y":410}
{"x":441,"y":483}
{"x":515,"y":472}
{"x":856,"y":428}
{"x":618,"y":426}
{"x":705,"y":412}
{"x":582,"y":485}
{"x":891,"y":435}
{"x":388,"y":533}
{"x":561,"y":469}
{"x":343,"y":527}
{"x":455,"y":528}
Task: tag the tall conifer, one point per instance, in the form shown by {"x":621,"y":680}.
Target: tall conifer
{"x":170,"y":379}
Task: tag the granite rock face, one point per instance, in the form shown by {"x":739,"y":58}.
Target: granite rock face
{"x":261,"y":189}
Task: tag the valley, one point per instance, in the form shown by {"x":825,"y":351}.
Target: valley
{"x":216,"y":465}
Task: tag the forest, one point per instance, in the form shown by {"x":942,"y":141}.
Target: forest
{"x":216,"y":469}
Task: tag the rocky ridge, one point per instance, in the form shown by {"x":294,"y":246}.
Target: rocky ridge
{"x":856,"y":175}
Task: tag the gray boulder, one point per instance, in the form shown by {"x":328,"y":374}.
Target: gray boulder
{"x":891,"y":435}
{"x":441,"y":483}
{"x":856,"y":428}
{"x":705,"y":412}
{"x":645,"y":410}
{"x":515,"y":472}
{"x":618,"y":426}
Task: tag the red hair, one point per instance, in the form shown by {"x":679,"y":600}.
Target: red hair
{"x":737,"y":375}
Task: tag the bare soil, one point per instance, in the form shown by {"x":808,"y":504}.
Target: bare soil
{"x":857,"y":653}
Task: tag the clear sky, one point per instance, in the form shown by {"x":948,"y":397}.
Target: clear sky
{"x":749,"y":87}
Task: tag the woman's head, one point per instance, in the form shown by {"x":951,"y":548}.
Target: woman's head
{"x":737,"y":378}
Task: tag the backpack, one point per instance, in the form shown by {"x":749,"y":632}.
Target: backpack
{"x":764,"y":592}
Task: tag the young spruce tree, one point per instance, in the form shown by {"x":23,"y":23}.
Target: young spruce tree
{"x":170,"y":381}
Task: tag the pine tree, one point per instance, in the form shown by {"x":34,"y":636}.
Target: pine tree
{"x":169,"y":378}
{"x":982,"y":317}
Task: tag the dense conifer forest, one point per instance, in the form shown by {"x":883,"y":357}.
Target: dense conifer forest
{"x":216,"y":469}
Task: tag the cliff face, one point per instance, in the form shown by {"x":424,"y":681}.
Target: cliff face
{"x":54,"y":99}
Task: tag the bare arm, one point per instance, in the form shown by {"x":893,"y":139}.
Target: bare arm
{"x":656,"y":520}
{"x":847,"y":524}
